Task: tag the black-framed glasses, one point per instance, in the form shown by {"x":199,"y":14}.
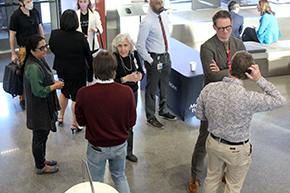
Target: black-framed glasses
{"x":42,"y":47}
{"x":222,"y":29}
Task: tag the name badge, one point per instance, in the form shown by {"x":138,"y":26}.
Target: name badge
{"x":159,"y":66}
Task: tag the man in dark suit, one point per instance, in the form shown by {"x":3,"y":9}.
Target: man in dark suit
{"x":238,"y":20}
{"x":215,"y":55}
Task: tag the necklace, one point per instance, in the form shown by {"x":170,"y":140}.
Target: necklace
{"x":124,"y":66}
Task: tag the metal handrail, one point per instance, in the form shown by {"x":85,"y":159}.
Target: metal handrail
{"x":89,"y":174}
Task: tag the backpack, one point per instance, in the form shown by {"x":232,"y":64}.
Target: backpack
{"x":13,"y":79}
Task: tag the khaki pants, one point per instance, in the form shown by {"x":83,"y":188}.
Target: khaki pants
{"x":237,"y":160}
{"x":21,"y":55}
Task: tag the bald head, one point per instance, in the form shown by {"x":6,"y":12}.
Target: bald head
{"x":156,"y":6}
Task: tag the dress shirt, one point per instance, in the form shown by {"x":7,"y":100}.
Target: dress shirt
{"x":229,"y":108}
{"x":150,"y":37}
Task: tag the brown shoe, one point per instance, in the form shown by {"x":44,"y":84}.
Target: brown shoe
{"x":192,"y":186}
{"x":224,"y":178}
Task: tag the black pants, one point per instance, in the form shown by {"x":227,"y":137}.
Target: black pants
{"x":250,"y":35}
{"x":130,"y":139}
{"x":156,"y":78}
{"x":39,"y":138}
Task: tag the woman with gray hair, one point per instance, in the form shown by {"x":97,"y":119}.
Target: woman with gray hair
{"x":129,"y":72}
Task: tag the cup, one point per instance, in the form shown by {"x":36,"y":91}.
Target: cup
{"x":192,"y":66}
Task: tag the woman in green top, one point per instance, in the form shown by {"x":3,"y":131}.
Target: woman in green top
{"x":41,"y":102}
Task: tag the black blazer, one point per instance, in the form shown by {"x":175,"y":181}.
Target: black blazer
{"x":238,"y":22}
{"x":72,"y":52}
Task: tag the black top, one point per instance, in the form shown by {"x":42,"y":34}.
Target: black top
{"x":24,"y":25}
{"x":72,"y":52}
{"x":123,"y":71}
{"x":85,"y":23}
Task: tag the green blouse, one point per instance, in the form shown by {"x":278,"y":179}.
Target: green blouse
{"x":35,"y":78}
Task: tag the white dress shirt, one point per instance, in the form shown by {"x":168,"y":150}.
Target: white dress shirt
{"x":150,"y":37}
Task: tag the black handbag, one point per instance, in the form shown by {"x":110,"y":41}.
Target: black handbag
{"x":13,"y":79}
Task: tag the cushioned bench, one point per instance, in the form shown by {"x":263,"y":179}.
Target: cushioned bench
{"x":273,"y":59}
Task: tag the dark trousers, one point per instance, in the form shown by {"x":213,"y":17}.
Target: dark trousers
{"x":199,"y":152}
{"x":39,"y":138}
{"x":250,"y":35}
{"x":131,"y":133}
{"x":156,"y":78}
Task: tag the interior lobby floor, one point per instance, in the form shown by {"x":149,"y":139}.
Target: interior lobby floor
{"x":164,"y":155}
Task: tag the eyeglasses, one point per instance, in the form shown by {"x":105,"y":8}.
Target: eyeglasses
{"x":222,"y":29}
{"x":42,"y":47}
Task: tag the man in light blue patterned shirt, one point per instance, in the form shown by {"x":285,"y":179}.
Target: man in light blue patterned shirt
{"x":229,"y":108}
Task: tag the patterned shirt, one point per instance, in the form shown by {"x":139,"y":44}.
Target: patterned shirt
{"x":229,"y":108}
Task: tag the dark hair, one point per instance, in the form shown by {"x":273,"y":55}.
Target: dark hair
{"x":90,"y":6}
{"x":69,"y":20}
{"x":31,"y":44}
{"x":265,"y":7}
{"x":221,"y":14}
{"x":241,"y":61}
{"x":233,"y":5}
{"x":105,"y":65}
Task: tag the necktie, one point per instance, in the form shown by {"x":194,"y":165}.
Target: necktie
{"x":163,"y":32}
{"x":229,"y":56}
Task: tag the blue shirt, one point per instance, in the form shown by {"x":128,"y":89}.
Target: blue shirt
{"x":150,"y":37}
{"x":229,"y":108}
{"x":268,"y":31}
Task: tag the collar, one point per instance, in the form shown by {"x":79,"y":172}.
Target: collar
{"x":233,"y":81}
{"x":104,"y":81}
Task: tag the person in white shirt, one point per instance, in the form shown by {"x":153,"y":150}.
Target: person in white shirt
{"x":90,"y":23}
{"x":153,"y":46}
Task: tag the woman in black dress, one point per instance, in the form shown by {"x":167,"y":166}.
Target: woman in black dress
{"x":129,"y":72}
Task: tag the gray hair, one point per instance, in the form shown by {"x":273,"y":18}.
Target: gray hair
{"x":233,"y":5}
{"x":119,"y":39}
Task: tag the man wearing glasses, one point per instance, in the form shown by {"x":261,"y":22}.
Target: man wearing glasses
{"x":24,"y":22}
{"x":215,"y":55}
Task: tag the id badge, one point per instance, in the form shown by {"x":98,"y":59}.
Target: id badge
{"x":159,"y":66}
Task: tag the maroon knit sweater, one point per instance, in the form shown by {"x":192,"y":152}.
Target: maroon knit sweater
{"x":108,"y":111}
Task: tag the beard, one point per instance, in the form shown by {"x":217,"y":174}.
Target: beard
{"x":158,"y":11}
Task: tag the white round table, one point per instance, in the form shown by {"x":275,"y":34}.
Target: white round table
{"x":86,"y":188}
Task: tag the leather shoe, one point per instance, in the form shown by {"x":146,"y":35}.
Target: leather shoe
{"x":51,"y":171}
{"x":168,"y":116}
{"x":224,"y":178}
{"x":132,"y":158}
{"x":155,"y":123}
{"x":192,"y":186}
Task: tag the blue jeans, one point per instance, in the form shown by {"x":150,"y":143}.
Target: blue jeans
{"x":97,"y":158}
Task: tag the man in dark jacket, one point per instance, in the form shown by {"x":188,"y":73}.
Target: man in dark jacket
{"x":238,"y":20}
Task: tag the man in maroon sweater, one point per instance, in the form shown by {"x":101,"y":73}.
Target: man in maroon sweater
{"x":107,"y":109}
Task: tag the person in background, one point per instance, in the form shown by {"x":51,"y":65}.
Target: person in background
{"x":41,"y":101}
{"x":24,"y":22}
{"x":153,"y":46}
{"x":228,"y":143}
{"x":72,"y":62}
{"x":90,"y":23}
{"x":268,"y":30}
{"x":129,"y":72}
{"x":238,"y":20}
{"x":108,"y":111}
{"x":215,"y":54}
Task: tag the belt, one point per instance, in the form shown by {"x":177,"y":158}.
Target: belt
{"x":157,"y":54}
{"x":228,"y":142}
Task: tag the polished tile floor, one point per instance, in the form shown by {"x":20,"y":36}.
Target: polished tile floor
{"x":164,"y":156}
